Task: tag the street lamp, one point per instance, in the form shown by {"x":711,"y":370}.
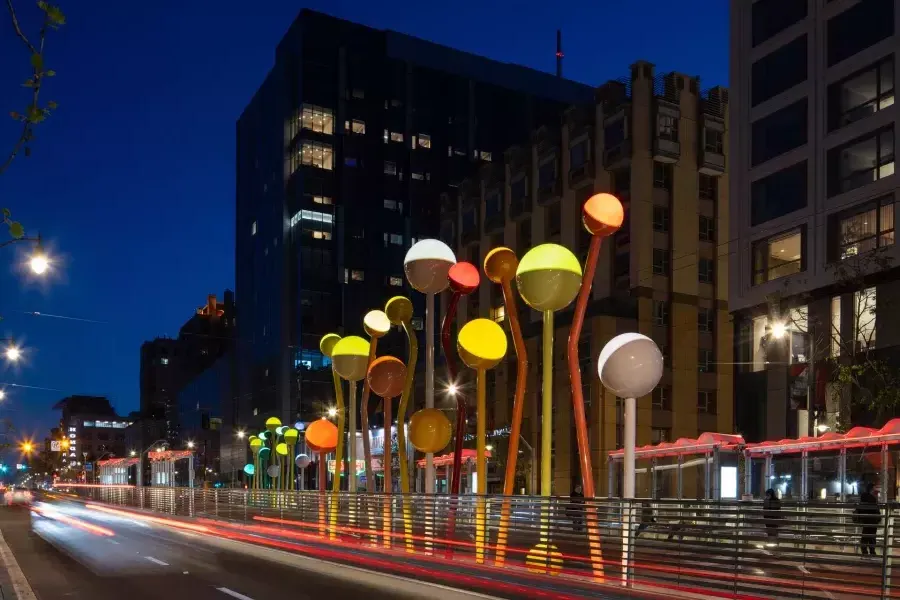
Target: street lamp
{"x":240,"y":434}
{"x":778,"y":330}
{"x":13,"y":353}
{"x":190,"y":445}
{"x":27,"y":447}
{"x":2,"y":394}
{"x":332,"y":412}
{"x":39,"y":262}
{"x":133,"y":453}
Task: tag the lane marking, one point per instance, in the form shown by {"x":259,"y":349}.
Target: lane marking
{"x":21,"y":587}
{"x":157,"y":561}
{"x":234,"y":594}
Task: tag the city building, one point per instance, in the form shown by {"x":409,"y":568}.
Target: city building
{"x":811,"y":241}
{"x":200,"y":419}
{"x":341,"y":156}
{"x":93,"y":431}
{"x":167,"y":364}
{"x":660,"y":144}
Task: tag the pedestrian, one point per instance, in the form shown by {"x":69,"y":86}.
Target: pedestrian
{"x":771,"y":513}
{"x":647,"y":518}
{"x":868,"y":515}
{"x":576,"y":507}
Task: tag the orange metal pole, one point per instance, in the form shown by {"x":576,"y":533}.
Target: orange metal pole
{"x":584,"y":445}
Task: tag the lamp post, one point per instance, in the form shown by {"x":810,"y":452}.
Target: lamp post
{"x":427,"y":265}
{"x":630,"y":365}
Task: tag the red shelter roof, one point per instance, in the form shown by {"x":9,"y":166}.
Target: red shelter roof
{"x":685,"y":446}
{"x":447,"y":459}
{"x":858,"y":437}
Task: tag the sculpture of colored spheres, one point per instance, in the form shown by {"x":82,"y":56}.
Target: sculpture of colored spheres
{"x":281,"y":449}
{"x":255,"y":444}
{"x":427,"y":264}
{"x":264,"y":454}
{"x":273,"y":423}
{"x":481,"y":343}
{"x":376,"y":323}
{"x":429,"y":430}
{"x":500,"y":265}
{"x":249,"y":469}
{"x":386,"y":377}
{"x":274,"y":471}
{"x":280,"y":430}
{"x":302,"y":461}
{"x":322,"y":436}
{"x":399,"y":309}
{"x":548,"y":277}
{"x":350,"y":357}
{"x":326,"y":344}
{"x":290,"y":436}
{"x":264,"y":436}
{"x":464,"y":278}
{"x":630,"y":365}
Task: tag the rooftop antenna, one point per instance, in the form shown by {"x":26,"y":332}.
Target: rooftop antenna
{"x":559,"y":53}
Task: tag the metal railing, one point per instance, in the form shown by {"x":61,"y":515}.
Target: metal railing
{"x":701,"y":548}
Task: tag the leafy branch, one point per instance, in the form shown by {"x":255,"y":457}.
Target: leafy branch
{"x":34,"y":113}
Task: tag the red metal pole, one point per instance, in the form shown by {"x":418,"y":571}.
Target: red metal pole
{"x":461,"y":404}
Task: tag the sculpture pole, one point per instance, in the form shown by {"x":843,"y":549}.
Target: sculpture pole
{"x":500,"y":267}
{"x":326,"y":345}
{"x":602,"y":215}
{"x":376,"y":325}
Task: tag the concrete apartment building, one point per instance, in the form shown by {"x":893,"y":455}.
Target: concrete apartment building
{"x":813,"y":189}
{"x":661,"y":145}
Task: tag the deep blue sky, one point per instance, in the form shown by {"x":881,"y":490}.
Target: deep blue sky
{"x":132,"y":180}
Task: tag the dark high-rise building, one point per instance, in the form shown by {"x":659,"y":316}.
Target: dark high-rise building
{"x":342,"y":155}
{"x":812,"y":247}
{"x":93,"y":431}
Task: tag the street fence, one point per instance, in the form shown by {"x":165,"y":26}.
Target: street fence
{"x":729,"y":549}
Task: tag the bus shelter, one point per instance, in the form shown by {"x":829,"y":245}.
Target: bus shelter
{"x":716,"y":453}
{"x":162,"y":467}
{"x":832,"y":465}
{"x":444,"y":463}
{"x":114,"y":471}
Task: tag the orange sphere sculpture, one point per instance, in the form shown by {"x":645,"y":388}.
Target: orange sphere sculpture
{"x":602,"y":215}
{"x":322,"y":436}
{"x":429,"y":430}
{"x":387,"y":375}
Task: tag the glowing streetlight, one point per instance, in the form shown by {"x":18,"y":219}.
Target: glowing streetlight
{"x":190,"y":445}
{"x":332,"y":412}
{"x":778,"y":330}
{"x":160,"y":449}
{"x":133,"y":453}
{"x":241,"y":433}
{"x":822,"y":428}
{"x":13,"y":353}
{"x":452,"y":389}
{"x":2,"y":394}
{"x":39,"y":262}
{"x":27,"y":447}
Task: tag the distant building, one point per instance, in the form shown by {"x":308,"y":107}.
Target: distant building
{"x":93,"y":429}
{"x":200,"y":419}
{"x":167,"y":365}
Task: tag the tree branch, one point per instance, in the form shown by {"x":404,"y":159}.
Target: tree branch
{"x":15,"y":24}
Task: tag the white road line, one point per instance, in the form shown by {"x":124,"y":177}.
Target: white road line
{"x":157,"y":561}
{"x":20,"y":584}
{"x":234,"y":594}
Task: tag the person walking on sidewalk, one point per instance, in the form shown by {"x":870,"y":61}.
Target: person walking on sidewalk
{"x":868,"y":515}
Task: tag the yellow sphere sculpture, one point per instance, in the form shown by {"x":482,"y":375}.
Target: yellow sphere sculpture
{"x":350,"y":357}
{"x":281,"y":449}
{"x":548,"y":277}
{"x":256,"y":444}
{"x":481,"y":344}
{"x":273,"y":423}
{"x":291,"y":435}
{"x":376,"y":323}
{"x":399,"y":309}
{"x":429,"y":430}
{"x":326,"y":344}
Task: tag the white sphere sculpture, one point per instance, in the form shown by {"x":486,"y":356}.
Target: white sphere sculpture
{"x":630,"y":365}
{"x":302,"y":461}
{"x":427,"y":265}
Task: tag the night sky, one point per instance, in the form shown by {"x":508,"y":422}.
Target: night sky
{"x":131,"y":182}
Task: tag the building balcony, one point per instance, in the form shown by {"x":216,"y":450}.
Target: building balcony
{"x":519,"y":206}
{"x":712,"y":163}
{"x":618,"y":156}
{"x":578,"y":174}
{"x":666,"y":150}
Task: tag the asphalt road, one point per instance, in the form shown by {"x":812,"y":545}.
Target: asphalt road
{"x":74,"y":553}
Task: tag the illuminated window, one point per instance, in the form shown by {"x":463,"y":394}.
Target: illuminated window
{"x":253,"y":228}
{"x":393,"y":238}
{"x":314,"y":154}
{"x":498,"y":314}
{"x":778,"y":256}
{"x":483,"y":155}
{"x":321,"y":200}
{"x":355,"y":127}
{"x":393,"y":205}
{"x":392,"y":136}
{"x":864,"y":318}
{"x":314,"y":215}
{"x":390,"y":167}
{"x":320,"y":235}
{"x":835,"y":326}
{"x":163,"y":361}
{"x":317,"y":118}
{"x":866,"y":229}
{"x":357,"y":275}
{"x":423,"y":140}
{"x":395,"y":281}
{"x":418,"y":176}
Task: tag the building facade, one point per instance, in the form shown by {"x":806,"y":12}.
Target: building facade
{"x":660,"y":144}
{"x":93,"y":432}
{"x":168,"y":365}
{"x":811,"y":241}
{"x":341,"y":156}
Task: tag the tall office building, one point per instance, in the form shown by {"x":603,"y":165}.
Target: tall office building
{"x":660,"y":144}
{"x":342,"y":155}
{"x":813,"y":190}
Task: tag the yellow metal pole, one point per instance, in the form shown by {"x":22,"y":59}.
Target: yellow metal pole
{"x":480,"y":466}
{"x":338,"y":455}
{"x":401,"y":431}
{"x":546,"y":425}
